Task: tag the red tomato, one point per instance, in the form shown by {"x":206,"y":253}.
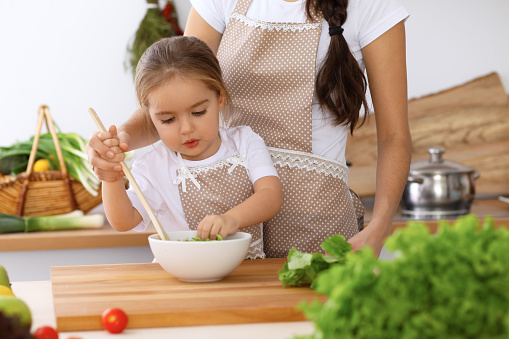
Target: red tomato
{"x":114,"y":320}
{"x":46,"y":332}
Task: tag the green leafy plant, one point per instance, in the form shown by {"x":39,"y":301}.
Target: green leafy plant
{"x":14,"y":158}
{"x":454,"y":284}
{"x":155,"y":25}
{"x":303,"y":268}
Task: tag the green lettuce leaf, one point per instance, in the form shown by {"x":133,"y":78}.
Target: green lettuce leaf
{"x":303,"y":268}
{"x":454,"y":284}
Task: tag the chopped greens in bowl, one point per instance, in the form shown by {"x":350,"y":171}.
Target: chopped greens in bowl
{"x":218,"y":238}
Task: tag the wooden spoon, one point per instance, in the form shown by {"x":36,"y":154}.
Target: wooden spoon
{"x":160,"y":230}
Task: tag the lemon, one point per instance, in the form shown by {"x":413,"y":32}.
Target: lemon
{"x":4,"y":290}
{"x":41,"y":165}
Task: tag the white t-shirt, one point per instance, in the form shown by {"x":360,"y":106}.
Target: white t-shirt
{"x":155,"y":171}
{"x":366,"y":21}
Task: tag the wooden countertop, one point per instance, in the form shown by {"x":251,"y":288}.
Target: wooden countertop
{"x":38,"y":296}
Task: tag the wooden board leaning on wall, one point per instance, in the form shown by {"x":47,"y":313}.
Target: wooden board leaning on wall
{"x":470,"y":121}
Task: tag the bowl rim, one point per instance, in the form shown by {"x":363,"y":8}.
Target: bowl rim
{"x":244,"y":236}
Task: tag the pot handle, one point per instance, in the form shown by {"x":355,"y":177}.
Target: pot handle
{"x":476,"y":175}
{"x":416,"y":180}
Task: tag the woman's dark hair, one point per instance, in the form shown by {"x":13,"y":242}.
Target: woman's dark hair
{"x":341,"y":84}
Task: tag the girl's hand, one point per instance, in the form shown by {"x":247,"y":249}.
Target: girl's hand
{"x":105,"y":151}
{"x":217,"y":224}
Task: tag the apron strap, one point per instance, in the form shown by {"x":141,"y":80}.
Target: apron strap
{"x":317,"y":17}
{"x":235,"y":158}
{"x":242,"y":6}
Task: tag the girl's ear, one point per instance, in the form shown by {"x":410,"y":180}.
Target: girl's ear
{"x":222,"y":99}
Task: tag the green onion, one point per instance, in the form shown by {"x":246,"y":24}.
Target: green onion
{"x":70,"y":221}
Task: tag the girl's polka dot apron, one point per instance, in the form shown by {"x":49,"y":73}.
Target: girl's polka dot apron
{"x":269,"y":69}
{"x":214,"y":189}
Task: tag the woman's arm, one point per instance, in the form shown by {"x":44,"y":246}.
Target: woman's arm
{"x":262,"y":205}
{"x":198,"y":27}
{"x":385,"y":60}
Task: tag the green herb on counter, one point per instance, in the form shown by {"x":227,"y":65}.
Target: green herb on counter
{"x":451,"y":285}
{"x":69,"y":221}
{"x":303,"y":268}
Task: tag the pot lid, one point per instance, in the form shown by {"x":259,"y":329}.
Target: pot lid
{"x":436,"y":165}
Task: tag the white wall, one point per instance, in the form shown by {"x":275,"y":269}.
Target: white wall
{"x":450,"y":42}
{"x":70,"y":55}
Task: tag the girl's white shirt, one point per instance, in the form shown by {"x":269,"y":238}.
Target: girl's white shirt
{"x":366,"y":21}
{"x":156,"y":171}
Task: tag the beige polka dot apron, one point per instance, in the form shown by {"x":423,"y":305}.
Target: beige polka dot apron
{"x":214,"y":189}
{"x":269,"y":69}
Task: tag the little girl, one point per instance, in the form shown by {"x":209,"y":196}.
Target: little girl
{"x":201,"y":176}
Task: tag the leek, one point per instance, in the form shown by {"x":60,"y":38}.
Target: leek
{"x":70,"y":221}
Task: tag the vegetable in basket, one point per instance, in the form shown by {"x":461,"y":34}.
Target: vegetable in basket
{"x":14,"y":159}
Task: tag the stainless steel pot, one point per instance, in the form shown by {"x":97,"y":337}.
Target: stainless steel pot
{"x":437,"y":188}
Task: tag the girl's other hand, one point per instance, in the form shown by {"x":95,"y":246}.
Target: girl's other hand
{"x":217,"y":224}
{"x":105,"y":151}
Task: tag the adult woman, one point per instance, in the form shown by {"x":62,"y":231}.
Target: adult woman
{"x":269,"y":51}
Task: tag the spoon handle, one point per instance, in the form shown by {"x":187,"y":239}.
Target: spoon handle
{"x":160,"y":230}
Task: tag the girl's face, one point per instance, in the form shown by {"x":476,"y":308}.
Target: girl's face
{"x":185,"y":113}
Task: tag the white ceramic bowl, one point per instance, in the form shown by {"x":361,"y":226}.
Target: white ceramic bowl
{"x":199,"y":261}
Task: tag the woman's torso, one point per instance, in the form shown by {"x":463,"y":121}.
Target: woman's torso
{"x":367,"y":19}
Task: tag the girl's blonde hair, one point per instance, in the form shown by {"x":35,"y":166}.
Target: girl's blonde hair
{"x":184,"y":56}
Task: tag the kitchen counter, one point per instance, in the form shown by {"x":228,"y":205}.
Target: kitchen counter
{"x":58,"y":240}
{"x":74,"y":239}
{"x":107,"y":237}
{"x":482,"y":207}
{"x":29,"y":256}
{"x":38,"y":296}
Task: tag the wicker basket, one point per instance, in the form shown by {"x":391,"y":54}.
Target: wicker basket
{"x":44,"y":193}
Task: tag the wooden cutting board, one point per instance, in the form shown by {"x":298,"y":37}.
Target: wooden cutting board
{"x":151,"y":297}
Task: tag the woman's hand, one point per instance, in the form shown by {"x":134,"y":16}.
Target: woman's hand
{"x":217,"y":224}
{"x":105,"y":151}
{"x":370,"y":236}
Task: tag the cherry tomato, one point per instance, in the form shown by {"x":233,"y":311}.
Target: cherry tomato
{"x":114,"y":320}
{"x":46,"y":332}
